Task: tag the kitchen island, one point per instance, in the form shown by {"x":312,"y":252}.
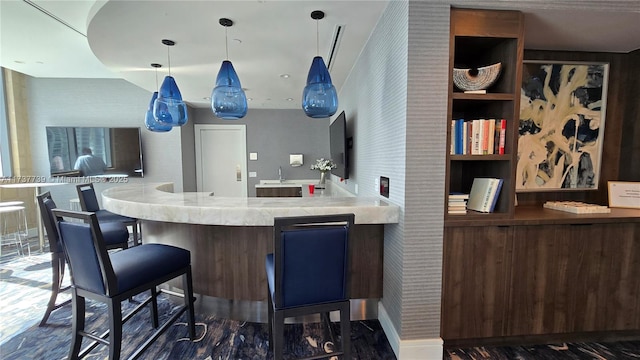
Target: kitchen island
{"x":230,"y":237}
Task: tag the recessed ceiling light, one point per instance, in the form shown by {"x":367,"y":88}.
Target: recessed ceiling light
{"x":285,"y":76}
{"x":249,"y":99}
{"x":289,"y":99}
{"x":206,"y":98}
{"x":18,"y":61}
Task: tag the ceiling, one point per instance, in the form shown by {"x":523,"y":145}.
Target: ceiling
{"x":120,"y":39}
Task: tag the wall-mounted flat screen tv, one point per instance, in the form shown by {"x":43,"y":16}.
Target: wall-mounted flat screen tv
{"x":94,"y":151}
{"x":338,"y":146}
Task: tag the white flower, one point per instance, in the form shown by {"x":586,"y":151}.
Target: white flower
{"x":323,"y":164}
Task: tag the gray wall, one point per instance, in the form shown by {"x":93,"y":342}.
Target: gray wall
{"x":99,"y":102}
{"x":274,"y":134}
{"x":188,"y":145}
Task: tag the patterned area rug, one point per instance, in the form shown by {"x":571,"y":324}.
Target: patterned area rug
{"x":623,"y":350}
{"x":24,"y":290}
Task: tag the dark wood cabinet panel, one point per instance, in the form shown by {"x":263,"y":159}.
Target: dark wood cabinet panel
{"x":475,"y":272}
{"x":285,"y":191}
{"x":574,"y":278}
{"x":541,"y":280}
{"x":228,"y":261}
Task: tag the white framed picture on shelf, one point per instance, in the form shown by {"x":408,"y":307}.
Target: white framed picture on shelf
{"x":561,"y":128}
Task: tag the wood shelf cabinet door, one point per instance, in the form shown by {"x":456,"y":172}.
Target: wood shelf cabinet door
{"x":475,"y":272}
{"x":574,"y":279}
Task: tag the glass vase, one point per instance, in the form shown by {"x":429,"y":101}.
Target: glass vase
{"x":323,"y":179}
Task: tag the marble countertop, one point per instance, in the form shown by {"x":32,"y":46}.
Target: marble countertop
{"x":158,"y":202}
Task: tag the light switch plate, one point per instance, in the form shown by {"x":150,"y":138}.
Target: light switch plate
{"x":253,"y":156}
{"x":253,"y":174}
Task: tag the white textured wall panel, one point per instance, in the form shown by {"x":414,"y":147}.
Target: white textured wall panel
{"x":374,"y":98}
{"x":427,"y":87}
{"x":396,"y":103}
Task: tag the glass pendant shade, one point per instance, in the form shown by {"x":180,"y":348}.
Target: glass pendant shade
{"x":150,"y":122}
{"x":228,"y":100}
{"x":319,"y":97}
{"x":169,"y":109}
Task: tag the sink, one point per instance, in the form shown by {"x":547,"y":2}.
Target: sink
{"x":286,"y":183}
{"x":278,"y":182}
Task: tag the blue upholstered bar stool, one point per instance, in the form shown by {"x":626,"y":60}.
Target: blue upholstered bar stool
{"x":113,"y":277}
{"x":89,"y":202}
{"x":308,"y":273}
{"x":115,"y":236}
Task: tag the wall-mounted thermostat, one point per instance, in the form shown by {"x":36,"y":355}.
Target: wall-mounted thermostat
{"x":384,"y":186}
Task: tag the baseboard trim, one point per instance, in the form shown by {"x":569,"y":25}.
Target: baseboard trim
{"x":421,"y":349}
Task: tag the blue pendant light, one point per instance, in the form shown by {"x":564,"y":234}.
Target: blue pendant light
{"x":228,"y":100}
{"x":169,"y":109}
{"x":149,"y":121}
{"x":319,"y":97}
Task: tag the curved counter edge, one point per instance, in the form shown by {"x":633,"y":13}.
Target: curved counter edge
{"x":229,"y":238}
{"x":158,"y":202}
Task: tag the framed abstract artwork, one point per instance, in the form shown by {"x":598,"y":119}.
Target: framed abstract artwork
{"x":561,"y":128}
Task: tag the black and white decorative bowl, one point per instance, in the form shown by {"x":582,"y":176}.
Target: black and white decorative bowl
{"x":476,"y":79}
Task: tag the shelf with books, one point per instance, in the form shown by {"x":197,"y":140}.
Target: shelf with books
{"x":480,"y":38}
{"x":478,"y":136}
{"x":463,"y":173}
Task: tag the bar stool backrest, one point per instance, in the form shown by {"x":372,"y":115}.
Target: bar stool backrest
{"x":88,"y":199}
{"x":46,"y":205}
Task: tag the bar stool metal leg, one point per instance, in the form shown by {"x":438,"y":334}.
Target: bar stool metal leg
{"x":12,"y":227}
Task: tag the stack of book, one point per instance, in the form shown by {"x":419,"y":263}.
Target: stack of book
{"x":458,"y":203}
{"x":478,"y":136}
{"x":484,"y":194}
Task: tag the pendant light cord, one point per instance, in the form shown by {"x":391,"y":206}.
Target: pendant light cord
{"x":317,"y":39}
{"x":226,"y":41}
{"x":169,"y":59}
{"x":317,"y":15}
{"x":157,"y":88}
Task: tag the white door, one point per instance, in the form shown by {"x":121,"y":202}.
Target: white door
{"x":221,"y":165}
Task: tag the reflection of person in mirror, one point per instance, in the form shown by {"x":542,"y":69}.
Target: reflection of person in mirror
{"x":57,"y":164}
{"x":88,"y":164}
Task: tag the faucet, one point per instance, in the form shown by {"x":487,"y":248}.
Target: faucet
{"x":280,"y":174}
